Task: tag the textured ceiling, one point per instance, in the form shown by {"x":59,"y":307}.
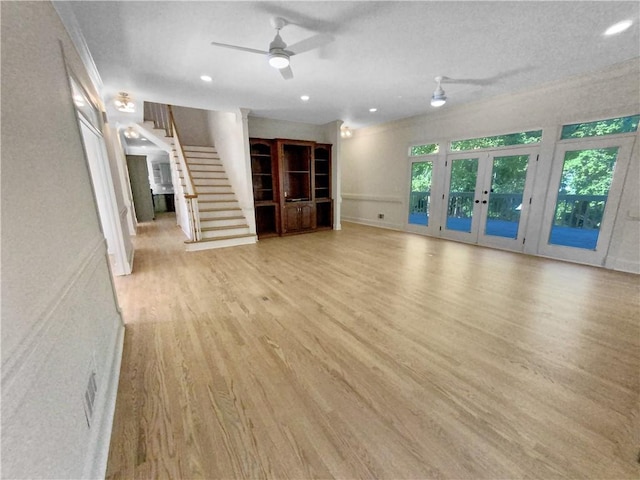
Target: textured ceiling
{"x":380,"y":54}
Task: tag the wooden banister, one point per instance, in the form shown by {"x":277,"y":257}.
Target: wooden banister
{"x":191,"y":194}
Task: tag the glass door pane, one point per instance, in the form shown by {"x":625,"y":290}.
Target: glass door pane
{"x":508,"y":178}
{"x":582,"y":197}
{"x":462,"y":187}
{"x":420,"y":197}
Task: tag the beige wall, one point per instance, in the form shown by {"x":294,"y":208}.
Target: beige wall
{"x":192,"y":126}
{"x":269,"y":128}
{"x":375,"y":167}
{"x":60,"y":319}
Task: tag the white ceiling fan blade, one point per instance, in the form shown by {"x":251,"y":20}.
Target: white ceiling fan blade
{"x":286,"y":73}
{"x":236,"y":47}
{"x":311,"y":43}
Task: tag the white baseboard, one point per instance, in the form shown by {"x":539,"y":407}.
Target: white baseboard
{"x":371,"y":223}
{"x":98,"y":450}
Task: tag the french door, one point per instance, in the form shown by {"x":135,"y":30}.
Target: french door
{"x":423,"y":196}
{"x":486,"y":199}
{"x":585,"y":188}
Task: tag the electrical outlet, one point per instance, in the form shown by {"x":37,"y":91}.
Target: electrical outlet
{"x":381,"y":216}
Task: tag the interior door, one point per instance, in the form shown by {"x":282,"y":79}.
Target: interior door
{"x":487,"y":197}
{"x":140,"y":187}
{"x":586,"y":185}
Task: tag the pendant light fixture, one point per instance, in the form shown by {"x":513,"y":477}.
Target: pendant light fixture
{"x":124,"y":103}
{"x":438,"y":98}
{"x":131,"y":133}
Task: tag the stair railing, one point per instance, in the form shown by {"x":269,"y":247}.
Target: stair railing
{"x":159,"y":114}
{"x":190,"y":193}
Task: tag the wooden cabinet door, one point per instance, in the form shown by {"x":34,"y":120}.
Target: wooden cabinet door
{"x":298,"y":217}
{"x":306,"y":217}
{"x":291,"y":218}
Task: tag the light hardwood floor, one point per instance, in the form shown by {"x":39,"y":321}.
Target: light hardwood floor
{"x":369,"y":353}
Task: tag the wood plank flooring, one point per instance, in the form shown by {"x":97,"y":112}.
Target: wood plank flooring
{"x":369,"y":353}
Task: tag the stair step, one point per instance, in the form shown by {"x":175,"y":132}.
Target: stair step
{"x":220,"y":210}
{"x":223,"y":227}
{"x":206,"y":168}
{"x":220,"y":242}
{"x":202,"y":162}
{"x":216,"y":232}
{"x":219,"y":213}
{"x":206,"y":204}
{"x":211,"y":182}
{"x":208,"y":175}
{"x":202,"y":157}
{"x":215,"y":189}
{"x":227,"y":196}
{"x":223,"y":222}
{"x":194,"y":148}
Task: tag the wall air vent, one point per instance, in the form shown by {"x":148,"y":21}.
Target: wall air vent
{"x":89,"y":397}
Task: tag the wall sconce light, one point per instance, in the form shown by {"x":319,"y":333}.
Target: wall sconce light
{"x":131,"y":132}
{"x":345,"y":132}
{"x":124,"y":103}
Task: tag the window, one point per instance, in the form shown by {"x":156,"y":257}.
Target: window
{"x":611,"y":126}
{"x":520,"y":138}
{"x":582,"y":197}
{"x":427,"y":149}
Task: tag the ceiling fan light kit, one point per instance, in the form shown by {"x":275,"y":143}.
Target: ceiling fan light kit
{"x":438,"y":98}
{"x":278,"y":60}
{"x":278,"y":55}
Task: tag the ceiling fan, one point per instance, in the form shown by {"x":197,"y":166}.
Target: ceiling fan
{"x":278,"y":54}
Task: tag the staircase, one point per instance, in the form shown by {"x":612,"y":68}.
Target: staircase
{"x":206,"y":208}
{"x":221,"y":220}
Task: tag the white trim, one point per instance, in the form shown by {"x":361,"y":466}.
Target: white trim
{"x":70,"y":22}
{"x":98,"y":448}
{"x":372,"y":198}
{"x":41,"y":317}
{"x":597,"y":257}
{"x":369,"y":223}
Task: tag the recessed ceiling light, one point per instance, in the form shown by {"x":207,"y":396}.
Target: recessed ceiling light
{"x":373,"y":110}
{"x":618,"y":27}
{"x":206,"y":78}
{"x":304,"y":98}
{"x":144,"y":139}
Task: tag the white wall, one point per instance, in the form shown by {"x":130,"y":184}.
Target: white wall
{"x":268,"y":128}
{"x":228,"y":132}
{"x":375,"y":168}
{"x":116,"y":152}
{"x":59,"y":317}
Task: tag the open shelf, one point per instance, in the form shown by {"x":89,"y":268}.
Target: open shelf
{"x":324,"y":214}
{"x":266,"y":220}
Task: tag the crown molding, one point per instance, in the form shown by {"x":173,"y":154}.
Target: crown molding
{"x":70,"y":22}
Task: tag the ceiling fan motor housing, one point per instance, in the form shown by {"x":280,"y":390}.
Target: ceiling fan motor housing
{"x":278,"y":56}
